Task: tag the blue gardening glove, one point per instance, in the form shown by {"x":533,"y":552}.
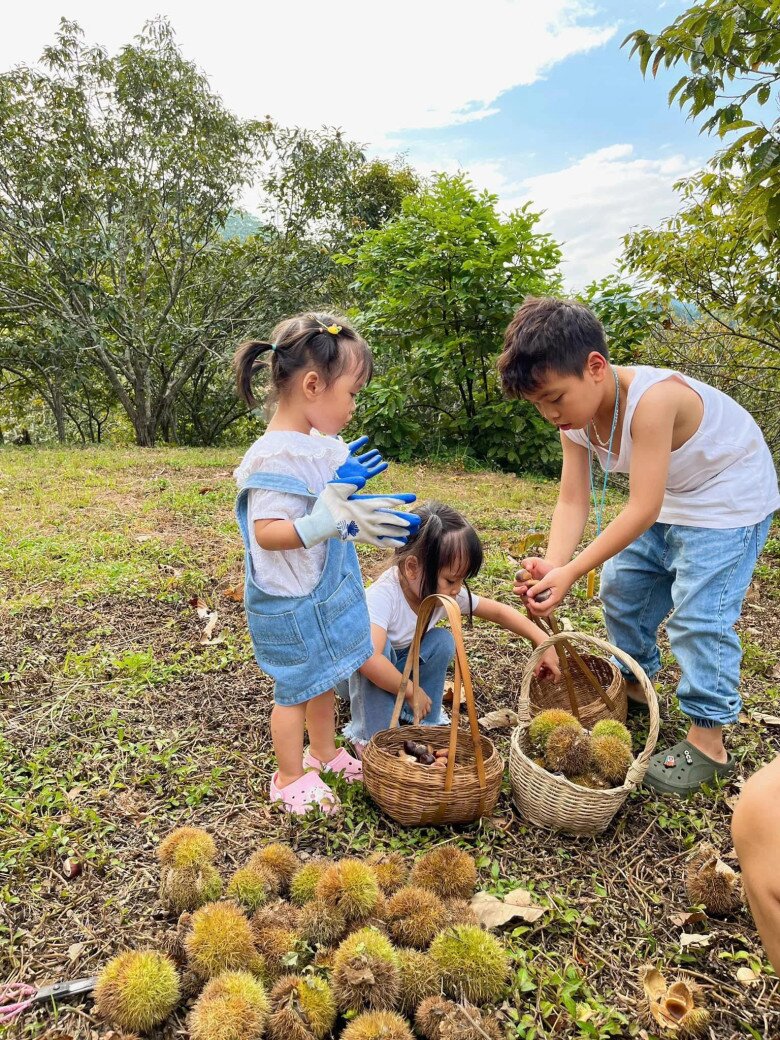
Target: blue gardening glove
{"x":358,"y":469}
{"x":339,"y":513}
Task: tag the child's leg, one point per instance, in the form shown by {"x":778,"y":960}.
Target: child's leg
{"x":287,"y":734}
{"x":756,"y":830}
{"x":321,"y":724}
{"x":713,"y":569}
{"x":371,"y":708}
{"x":636,"y":595}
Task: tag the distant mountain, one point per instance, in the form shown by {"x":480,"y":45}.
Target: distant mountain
{"x":241,"y":225}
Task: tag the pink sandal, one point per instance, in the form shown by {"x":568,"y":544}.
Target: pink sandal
{"x":350,"y":768}
{"x":304,"y":794}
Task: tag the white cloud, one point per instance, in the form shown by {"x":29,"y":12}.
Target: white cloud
{"x":373,"y":69}
{"x":593,"y":203}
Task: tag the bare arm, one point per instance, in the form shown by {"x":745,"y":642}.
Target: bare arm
{"x":651,"y":430}
{"x":277,"y":534}
{"x":513,"y":621}
{"x":571,"y":510}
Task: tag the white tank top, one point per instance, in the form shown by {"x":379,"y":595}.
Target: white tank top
{"x":723,"y":476}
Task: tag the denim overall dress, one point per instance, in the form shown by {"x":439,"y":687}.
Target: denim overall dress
{"x":306,"y":643}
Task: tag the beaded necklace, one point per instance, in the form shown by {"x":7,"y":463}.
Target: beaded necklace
{"x":598,"y":503}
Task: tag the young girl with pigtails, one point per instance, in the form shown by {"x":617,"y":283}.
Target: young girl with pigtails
{"x":299,"y":514}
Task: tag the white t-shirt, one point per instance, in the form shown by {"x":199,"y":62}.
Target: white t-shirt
{"x":722,"y":477}
{"x":312,"y":458}
{"x":388,"y":608}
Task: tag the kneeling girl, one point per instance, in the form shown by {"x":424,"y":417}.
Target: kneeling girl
{"x":440,"y":558}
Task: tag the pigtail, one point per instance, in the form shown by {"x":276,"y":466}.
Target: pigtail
{"x":246,"y":364}
{"x":428,"y":551}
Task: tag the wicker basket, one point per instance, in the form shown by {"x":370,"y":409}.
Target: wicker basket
{"x":576,"y":693}
{"x":553,"y":801}
{"x":417,"y":795}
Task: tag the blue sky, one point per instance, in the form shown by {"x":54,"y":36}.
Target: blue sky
{"x":534,"y":98}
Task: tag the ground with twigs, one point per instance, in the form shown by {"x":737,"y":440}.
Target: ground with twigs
{"x":121,"y":720}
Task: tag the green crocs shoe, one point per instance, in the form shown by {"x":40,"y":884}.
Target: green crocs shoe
{"x":683,"y":769}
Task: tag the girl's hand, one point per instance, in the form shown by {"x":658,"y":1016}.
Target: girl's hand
{"x":358,"y":469}
{"x":418,"y":700}
{"x":549,"y":666}
{"x":558,"y":580}
{"x":534,"y":566}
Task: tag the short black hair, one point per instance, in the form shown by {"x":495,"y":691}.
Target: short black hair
{"x":548,"y":336}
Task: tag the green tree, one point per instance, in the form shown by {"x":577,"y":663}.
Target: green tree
{"x":732,"y":51}
{"x":440,"y":283}
{"x":627,"y":317}
{"x":117,"y":176}
{"x":719,"y":291}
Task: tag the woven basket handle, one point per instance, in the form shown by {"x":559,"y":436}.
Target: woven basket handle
{"x":635,"y":773}
{"x":462,"y":681}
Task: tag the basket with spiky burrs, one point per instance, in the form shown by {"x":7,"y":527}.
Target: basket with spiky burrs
{"x":416,"y":794}
{"x":552,"y":799}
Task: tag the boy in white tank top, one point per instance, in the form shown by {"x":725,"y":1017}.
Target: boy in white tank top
{"x":703,"y":490}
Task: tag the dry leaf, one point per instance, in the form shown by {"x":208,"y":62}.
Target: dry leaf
{"x":768,"y":720}
{"x":747,"y":977}
{"x":680,"y":920}
{"x":199,"y":606}
{"x":504,"y":718}
{"x":449,"y":691}
{"x":744,"y":718}
{"x":205,"y":490}
{"x":143,"y":537}
{"x":235,"y":593}
{"x":173,"y":572}
{"x":493,"y":912}
{"x":519,"y":897}
{"x":208,"y":631}
{"x":75,"y":951}
{"x":694,"y":940}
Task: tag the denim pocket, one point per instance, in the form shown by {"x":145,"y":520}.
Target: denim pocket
{"x":277,"y":638}
{"x":344,"y":618}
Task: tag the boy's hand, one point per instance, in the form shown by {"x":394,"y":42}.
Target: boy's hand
{"x":549,"y":665}
{"x":534,"y":566}
{"x":558,"y":580}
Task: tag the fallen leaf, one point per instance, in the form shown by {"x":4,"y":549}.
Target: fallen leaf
{"x":493,"y":912}
{"x":449,"y":692}
{"x":235,"y":593}
{"x":208,"y":631}
{"x":680,"y":920}
{"x":768,"y":720}
{"x":583,"y":1012}
{"x":75,"y":951}
{"x":519,"y":897}
{"x":744,"y":718}
{"x":199,"y":606}
{"x":504,"y":718}
{"x":695,"y":940}
{"x":566,"y":625}
{"x":205,"y":490}
{"x":143,"y":537}
{"x":747,"y":977}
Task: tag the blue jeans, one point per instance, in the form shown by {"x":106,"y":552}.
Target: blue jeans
{"x":701,"y":575}
{"x":372,"y":707}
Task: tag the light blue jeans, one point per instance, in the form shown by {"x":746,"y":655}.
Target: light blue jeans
{"x":372,"y":707}
{"x":701,"y":575}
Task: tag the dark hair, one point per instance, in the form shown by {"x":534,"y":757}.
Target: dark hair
{"x":445,"y":539}
{"x":298,"y":343}
{"x":548,"y":336}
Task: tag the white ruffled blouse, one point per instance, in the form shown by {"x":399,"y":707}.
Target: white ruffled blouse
{"x":313,"y":458}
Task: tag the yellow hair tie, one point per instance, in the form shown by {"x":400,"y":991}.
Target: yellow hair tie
{"x":334,"y":330}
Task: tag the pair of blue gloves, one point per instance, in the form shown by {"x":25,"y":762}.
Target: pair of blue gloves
{"x":341,"y":513}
